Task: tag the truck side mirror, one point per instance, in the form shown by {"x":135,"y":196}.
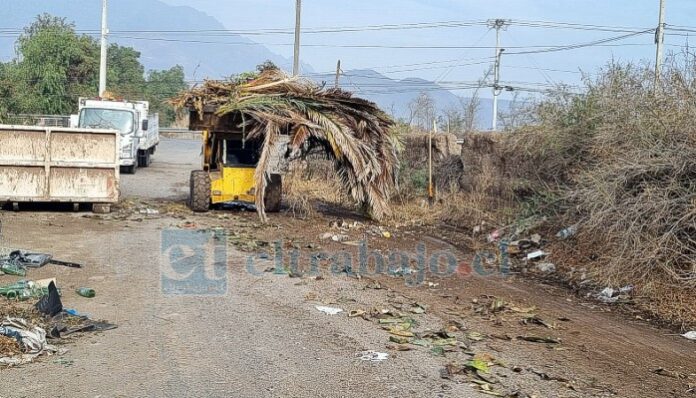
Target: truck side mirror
{"x":144,"y":127}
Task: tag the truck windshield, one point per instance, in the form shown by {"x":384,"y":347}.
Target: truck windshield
{"x":107,"y":119}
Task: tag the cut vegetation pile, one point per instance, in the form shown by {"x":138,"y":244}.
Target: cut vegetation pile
{"x":351,"y":132}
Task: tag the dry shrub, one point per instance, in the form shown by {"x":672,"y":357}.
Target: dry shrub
{"x":637,"y":193}
{"x":619,"y":160}
{"x":309,"y":183}
{"x":476,"y":185}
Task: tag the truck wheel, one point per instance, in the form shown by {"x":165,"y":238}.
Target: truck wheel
{"x":131,"y":169}
{"x":144,"y":158}
{"x":274,"y":194}
{"x":199,"y":200}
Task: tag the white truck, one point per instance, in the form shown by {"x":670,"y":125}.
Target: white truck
{"x":139,"y":130}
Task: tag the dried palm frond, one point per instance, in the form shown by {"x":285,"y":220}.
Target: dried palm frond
{"x":354,"y":133}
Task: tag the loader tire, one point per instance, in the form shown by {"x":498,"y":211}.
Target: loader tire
{"x":274,"y":194}
{"x":199,"y":199}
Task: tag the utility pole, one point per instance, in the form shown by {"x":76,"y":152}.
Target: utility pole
{"x":497,"y":24}
{"x":338,"y":73}
{"x":298,"y":19}
{"x":104,"y":45}
{"x":431,"y":189}
{"x":496,"y":88}
{"x":659,"y":40}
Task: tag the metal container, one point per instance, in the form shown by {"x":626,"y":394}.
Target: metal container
{"x":52,"y":164}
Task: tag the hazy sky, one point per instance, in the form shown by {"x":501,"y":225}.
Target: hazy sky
{"x":467,"y":64}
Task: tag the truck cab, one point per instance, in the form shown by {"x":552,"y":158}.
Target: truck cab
{"x":139,"y":131}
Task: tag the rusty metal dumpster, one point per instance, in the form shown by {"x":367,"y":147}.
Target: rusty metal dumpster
{"x":51,"y":164}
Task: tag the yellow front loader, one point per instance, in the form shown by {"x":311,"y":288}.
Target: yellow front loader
{"x":229,"y":164}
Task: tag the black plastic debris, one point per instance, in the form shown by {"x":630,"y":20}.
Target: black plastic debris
{"x":37,"y":260}
{"x":33,"y":260}
{"x":50,"y":304}
{"x":66,"y":324}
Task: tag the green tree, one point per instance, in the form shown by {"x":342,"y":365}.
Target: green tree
{"x":162,"y":85}
{"x":55,"y":66}
{"x":125,"y":75}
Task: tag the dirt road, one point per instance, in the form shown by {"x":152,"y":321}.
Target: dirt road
{"x":198,"y":317}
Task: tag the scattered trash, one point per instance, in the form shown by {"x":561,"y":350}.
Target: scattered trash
{"x":149,"y":211}
{"x":73,"y":312}
{"x":31,"y":339}
{"x":86,"y":292}
{"x":398,"y":339}
{"x":475,"y":336}
{"x":66,"y":324}
{"x":17,"y":262}
{"x":566,"y":233}
{"x":536,"y":255}
{"x":386,"y":234}
{"x":438,"y":351}
{"x":64,"y":361}
{"x":418,"y":308}
{"x":545,"y":376}
{"x":328,"y":310}
{"x":65,"y":263}
{"x":356,"y":313}
{"x":546,"y":267}
{"x":50,"y":303}
{"x":493,"y":236}
{"x":669,"y":373}
{"x":339,"y":238}
{"x":610,"y":295}
{"x":690,"y":335}
{"x":399,"y":347}
{"x":12,"y":267}
{"x":607,"y":295}
{"x":469,"y":367}
{"x":536,"y":320}
{"x":34,"y":260}
{"x":626,"y":289}
{"x":536,"y":239}
{"x":373,"y":356}
{"x":374,"y":285}
{"x":537,"y":339}
{"x":23,"y":290}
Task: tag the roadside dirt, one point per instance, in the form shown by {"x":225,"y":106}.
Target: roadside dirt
{"x":238,"y":327}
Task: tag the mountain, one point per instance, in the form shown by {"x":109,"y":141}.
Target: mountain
{"x":200,"y":59}
{"x":394,"y":95}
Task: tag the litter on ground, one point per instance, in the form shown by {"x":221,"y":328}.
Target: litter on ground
{"x":328,"y":310}
{"x":373,"y":356}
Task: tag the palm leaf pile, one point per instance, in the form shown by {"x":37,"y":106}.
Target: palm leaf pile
{"x":352,"y":132}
